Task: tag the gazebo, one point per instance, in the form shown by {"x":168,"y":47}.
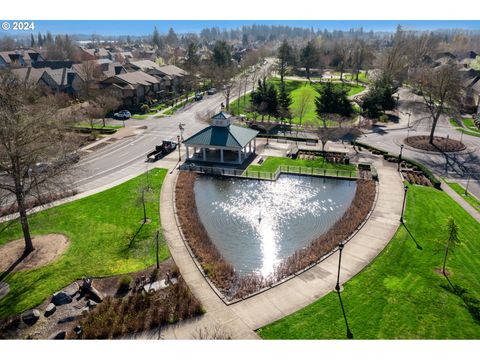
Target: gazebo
{"x":221,"y":142}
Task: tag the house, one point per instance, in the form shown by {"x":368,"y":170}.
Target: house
{"x":19,"y":58}
{"x":471,"y":89}
{"x":29,"y":74}
{"x":94,"y":54}
{"x":134,"y":87}
{"x":221,"y":142}
{"x":62,"y":80}
{"x":172,"y":78}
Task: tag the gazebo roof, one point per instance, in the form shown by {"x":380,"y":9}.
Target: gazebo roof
{"x":231,"y":136}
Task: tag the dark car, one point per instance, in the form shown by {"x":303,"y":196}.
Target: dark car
{"x":211,"y":91}
{"x":198,"y":96}
{"x":122,"y":115}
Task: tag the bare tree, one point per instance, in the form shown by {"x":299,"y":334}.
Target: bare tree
{"x":343,"y":53}
{"x":304,"y":99}
{"x":106,"y":101}
{"x":35,"y":146}
{"x":90,"y":73}
{"x":440,"y":88}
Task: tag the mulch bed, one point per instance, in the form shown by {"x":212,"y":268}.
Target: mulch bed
{"x":440,"y":144}
{"x":222,"y":273}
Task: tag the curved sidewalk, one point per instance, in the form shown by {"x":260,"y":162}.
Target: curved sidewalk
{"x":242,"y":318}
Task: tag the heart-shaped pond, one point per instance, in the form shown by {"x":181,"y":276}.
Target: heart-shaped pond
{"x":257,"y":224}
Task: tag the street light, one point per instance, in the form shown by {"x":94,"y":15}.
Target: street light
{"x":403,"y":205}
{"x":179,"y":153}
{"x":400,"y":157}
{"x":340,"y":248}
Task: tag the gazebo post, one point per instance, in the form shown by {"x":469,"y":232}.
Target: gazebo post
{"x":221,"y":155}
{"x":204,"y":153}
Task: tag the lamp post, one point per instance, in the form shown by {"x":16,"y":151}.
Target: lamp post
{"x":340,"y":248}
{"x":179,"y":153}
{"x":403,"y":205}
{"x":400,"y":157}
{"x":468,"y":182}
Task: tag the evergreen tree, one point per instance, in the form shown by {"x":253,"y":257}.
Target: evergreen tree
{"x":272,"y":101}
{"x":245,"y":40}
{"x":49,"y":39}
{"x":379,"y":97}
{"x":285,"y":55}
{"x":32,"y":41}
{"x":222,"y":54}
{"x":332,"y":100}
{"x":156,"y":38}
{"x":284,"y":102}
{"x":309,"y":57}
{"x":171,"y":38}
{"x":192,"y":59}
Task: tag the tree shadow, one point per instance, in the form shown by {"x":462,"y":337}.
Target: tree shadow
{"x":12,"y":267}
{"x":413,"y":237}
{"x":132,"y":239}
{"x":471,"y":303}
{"x":349,"y":333}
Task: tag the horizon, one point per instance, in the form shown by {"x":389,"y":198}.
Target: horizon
{"x":145,"y":27}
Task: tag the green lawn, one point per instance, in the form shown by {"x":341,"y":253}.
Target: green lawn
{"x":399,"y":295}
{"x":469,"y":123}
{"x":272,"y":163}
{"x":100,"y":228}
{"x":298,"y":90}
{"x":98,"y":126}
{"x":460,"y":190}
{"x":140,"y":116}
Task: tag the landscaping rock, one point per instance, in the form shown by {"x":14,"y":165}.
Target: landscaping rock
{"x":66,"y":319}
{"x":93,"y":293}
{"x":61,"y":298}
{"x":71,"y":289}
{"x":85,"y":310}
{"x":91,"y":303}
{"x":174,"y":280}
{"x":30,"y":317}
{"x":51,"y":308}
{"x":60,"y":336}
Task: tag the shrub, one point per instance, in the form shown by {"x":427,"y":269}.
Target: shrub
{"x":383,"y":118}
{"x":124,"y":283}
{"x":144,"y":108}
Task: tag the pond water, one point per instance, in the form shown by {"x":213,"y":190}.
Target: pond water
{"x":256,"y":224}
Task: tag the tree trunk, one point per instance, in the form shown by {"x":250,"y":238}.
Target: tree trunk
{"x":434,"y":126}
{"x":22,"y":210}
{"x":444,"y":269}
{"x":103,"y":120}
{"x":144,"y":208}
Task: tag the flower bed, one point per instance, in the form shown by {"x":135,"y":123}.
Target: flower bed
{"x":222,"y":273}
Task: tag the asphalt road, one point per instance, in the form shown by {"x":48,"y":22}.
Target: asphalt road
{"x":456,"y":166}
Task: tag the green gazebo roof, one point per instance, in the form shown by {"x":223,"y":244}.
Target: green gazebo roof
{"x":226,"y":136}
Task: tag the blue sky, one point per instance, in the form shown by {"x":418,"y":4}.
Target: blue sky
{"x":144,"y":27}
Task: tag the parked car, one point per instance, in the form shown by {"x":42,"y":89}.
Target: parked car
{"x":211,"y":91}
{"x":198,"y":96}
{"x":122,"y":115}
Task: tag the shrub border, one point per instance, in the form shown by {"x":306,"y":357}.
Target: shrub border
{"x":386,"y":155}
{"x":277,"y":283}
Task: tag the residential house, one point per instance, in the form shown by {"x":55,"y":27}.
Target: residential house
{"x":134,"y":87}
{"x":19,"y":58}
{"x":172,"y":78}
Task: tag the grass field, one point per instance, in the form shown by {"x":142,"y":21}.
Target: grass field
{"x":272,"y":163}
{"x":400,"y":295}
{"x":297,"y":90}
{"x":101,"y":231}
{"x":99,"y":126}
{"x":468,"y":122}
{"x":460,"y":190}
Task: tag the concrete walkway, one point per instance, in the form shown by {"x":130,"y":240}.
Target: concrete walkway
{"x":242,"y":318}
{"x":461,"y":201}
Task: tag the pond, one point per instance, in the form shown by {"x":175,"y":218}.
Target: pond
{"x":256,"y":224}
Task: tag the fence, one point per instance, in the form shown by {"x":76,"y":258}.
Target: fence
{"x":264,"y":175}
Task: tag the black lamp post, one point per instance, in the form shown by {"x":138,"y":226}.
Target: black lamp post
{"x":179,"y":153}
{"x":400,"y":157}
{"x":340,"y":248}
{"x":404,"y":199}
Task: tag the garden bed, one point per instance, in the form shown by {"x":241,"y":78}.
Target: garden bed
{"x":222,"y":273}
{"x":440,"y":144}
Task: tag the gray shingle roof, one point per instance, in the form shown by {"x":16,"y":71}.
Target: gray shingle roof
{"x":229,"y":136}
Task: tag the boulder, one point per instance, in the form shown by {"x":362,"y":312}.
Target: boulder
{"x":51,"y":308}
{"x":61,"y":298}
{"x":60,"y":336}
{"x":71,"y":289}
{"x":93,"y":293}
{"x":91,"y":303}
{"x":30,"y":317}
{"x":85,"y":310}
